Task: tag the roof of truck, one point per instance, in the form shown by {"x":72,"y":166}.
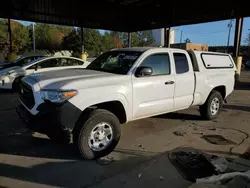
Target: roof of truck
{"x":135,"y":49}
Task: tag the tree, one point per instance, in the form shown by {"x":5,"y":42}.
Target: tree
{"x":141,"y":38}
{"x":247,"y":40}
{"x":92,"y":42}
{"x":20,"y":37}
{"x":107,"y":42}
{"x":146,"y":38}
{"x":3,"y":37}
{"x":48,"y":37}
{"x":72,"y":42}
{"x":65,"y":30}
{"x":187,"y":40}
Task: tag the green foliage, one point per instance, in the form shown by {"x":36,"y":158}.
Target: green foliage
{"x":65,"y":30}
{"x":72,"y":42}
{"x":54,"y":38}
{"x":94,"y":42}
{"x":3,"y":36}
{"x":107,"y":42}
{"x":48,"y":37}
{"x":20,"y":38}
{"x":141,"y":38}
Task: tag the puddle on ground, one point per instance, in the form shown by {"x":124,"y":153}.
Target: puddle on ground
{"x":217,"y":140}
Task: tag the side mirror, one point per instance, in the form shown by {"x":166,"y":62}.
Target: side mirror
{"x":143,"y":71}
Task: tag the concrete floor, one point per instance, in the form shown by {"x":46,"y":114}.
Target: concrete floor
{"x":31,"y":160}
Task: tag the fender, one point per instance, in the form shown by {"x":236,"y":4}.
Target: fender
{"x":91,"y":101}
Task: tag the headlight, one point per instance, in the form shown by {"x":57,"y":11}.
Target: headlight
{"x":57,"y":96}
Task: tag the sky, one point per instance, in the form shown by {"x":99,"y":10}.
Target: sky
{"x":212,"y":33}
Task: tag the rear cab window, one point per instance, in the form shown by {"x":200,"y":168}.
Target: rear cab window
{"x":181,"y":63}
{"x":215,"y":61}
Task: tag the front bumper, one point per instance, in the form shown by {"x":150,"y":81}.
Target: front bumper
{"x":50,"y":116}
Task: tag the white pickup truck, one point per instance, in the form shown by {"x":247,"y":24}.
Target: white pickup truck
{"x":123,"y":85}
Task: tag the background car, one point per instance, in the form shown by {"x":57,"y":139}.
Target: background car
{"x":10,"y":76}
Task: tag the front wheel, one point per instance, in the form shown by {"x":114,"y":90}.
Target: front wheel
{"x":16,"y":84}
{"x":212,"y":107}
{"x":97,"y":134}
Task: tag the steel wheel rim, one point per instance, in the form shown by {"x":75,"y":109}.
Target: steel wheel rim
{"x":215,"y":106}
{"x":100,"y":136}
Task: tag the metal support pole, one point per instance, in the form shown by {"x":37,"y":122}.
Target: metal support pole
{"x":33,"y":35}
{"x":129,"y":39}
{"x":237,"y":35}
{"x":10,"y":36}
{"x":181,"y":37}
{"x":166,"y":37}
{"x":229,"y":33}
{"x":82,"y":40}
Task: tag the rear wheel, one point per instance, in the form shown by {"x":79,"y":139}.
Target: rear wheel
{"x":212,"y":107}
{"x":97,"y":134}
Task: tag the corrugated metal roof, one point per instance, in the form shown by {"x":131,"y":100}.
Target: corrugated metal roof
{"x":120,"y":15}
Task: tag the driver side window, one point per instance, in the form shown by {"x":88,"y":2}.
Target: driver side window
{"x":160,"y":64}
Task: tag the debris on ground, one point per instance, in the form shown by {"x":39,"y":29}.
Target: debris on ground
{"x":195,"y":128}
{"x":211,"y":129}
{"x":192,"y":165}
{"x":17,"y":134}
{"x":223,"y":177}
{"x":220,"y":164}
{"x":105,"y":160}
{"x":161,"y":178}
{"x":198,"y":133}
{"x":139,"y":175}
{"x":217,"y":140}
{"x":179,"y":133}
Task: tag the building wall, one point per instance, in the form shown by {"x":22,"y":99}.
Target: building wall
{"x":159,"y":36}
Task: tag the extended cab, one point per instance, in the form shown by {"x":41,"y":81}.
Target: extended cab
{"x":123,"y":85}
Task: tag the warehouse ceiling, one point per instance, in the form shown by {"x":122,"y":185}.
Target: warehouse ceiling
{"x":120,"y":15}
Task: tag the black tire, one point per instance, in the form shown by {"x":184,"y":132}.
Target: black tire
{"x":59,"y":135}
{"x":205,"y":108}
{"x":16,"y":84}
{"x":84,"y":127}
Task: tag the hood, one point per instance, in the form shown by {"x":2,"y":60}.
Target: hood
{"x":7,"y":65}
{"x":60,"y":79}
{"x":8,"y":69}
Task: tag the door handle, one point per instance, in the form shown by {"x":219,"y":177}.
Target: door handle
{"x":169,"y":82}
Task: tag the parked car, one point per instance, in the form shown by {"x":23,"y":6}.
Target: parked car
{"x":123,"y":85}
{"x":10,"y":77}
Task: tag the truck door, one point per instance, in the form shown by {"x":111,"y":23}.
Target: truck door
{"x":153,"y":94}
{"x":184,"y":80}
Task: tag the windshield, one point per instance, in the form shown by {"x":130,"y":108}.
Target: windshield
{"x":118,"y":62}
{"x":30,"y":62}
